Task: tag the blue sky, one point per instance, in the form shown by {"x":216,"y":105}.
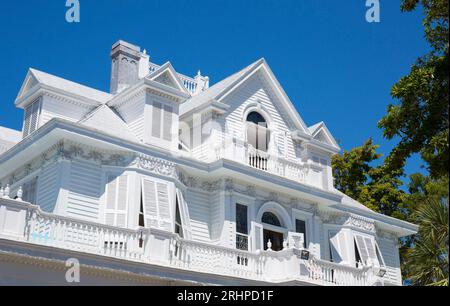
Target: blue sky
{"x":334,"y":65}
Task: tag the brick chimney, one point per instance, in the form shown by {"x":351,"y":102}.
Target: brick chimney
{"x":129,"y":65}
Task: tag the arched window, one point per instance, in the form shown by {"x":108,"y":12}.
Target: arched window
{"x":270,"y":218}
{"x":257,"y":132}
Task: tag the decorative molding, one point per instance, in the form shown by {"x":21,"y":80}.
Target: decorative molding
{"x":361,"y":223}
{"x":68,"y":150}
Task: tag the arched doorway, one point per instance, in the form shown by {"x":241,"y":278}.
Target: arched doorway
{"x":272,"y":231}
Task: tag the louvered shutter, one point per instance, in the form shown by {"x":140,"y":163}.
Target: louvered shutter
{"x":184,"y":211}
{"x":167,"y":127}
{"x":150,"y":203}
{"x":156,"y":120}
{"x":362,"y":248}
{"x":34,"y":116}
{"x":165,"y":221}
{"x":335,"y":248}
{"x":26,"y":123}
{"x":117,"y":201}
{"x":258,"y":243}
{"x":379,"y":255}
{"x":157,"y":208}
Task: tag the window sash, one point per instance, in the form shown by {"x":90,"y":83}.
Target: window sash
{"x":300,"y":227}
{"x":242,"y":219}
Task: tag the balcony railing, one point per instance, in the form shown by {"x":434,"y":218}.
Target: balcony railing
{"x":189,"y":83}
{"x":27,"y":223}
{"x":264,"y":161}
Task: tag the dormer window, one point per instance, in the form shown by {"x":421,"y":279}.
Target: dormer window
{"x":257,"y":132}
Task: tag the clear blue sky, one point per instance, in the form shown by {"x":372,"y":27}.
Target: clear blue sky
{"x":334,"y":65}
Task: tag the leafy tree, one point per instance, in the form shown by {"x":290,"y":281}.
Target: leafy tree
{"x":375,"y":187}
{"x":420,"y":118}
{"x":425,"y":255}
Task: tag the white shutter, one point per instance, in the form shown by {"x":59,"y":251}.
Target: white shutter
{"x":379,"y":255}
{"x":35,"y":116}
{"x":370,"y":245}
{"x":157,"y":208}
{"x":163,"y":201}
{"x":116,"y":201}
{"x":167,"y":123}
{"x":362,"y":249}
{"x":257,"y":230}
{"x":335,"y":248}
{"x":185,"y":218}
{"x":156,"y":119}
{"x":150,"y":204}
{"x":26,"y":123}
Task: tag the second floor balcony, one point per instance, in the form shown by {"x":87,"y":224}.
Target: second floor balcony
{"x":26,"y":223}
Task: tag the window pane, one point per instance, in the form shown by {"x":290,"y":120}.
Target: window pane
{"x":300,"y":227}
{"x":270,"y":218}
{"x":241,"y":219}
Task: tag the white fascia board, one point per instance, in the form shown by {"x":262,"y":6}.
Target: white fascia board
{"x":41,"y":89}
{"x":169,"y":67}
{"x":210,"y":105}
{"x":143,"y":84}
{"x":262,"y":64}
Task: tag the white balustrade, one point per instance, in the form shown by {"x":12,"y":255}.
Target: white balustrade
{"x":189,"y":83}
{"x":329,"y":273}
{"x":166,"y":248}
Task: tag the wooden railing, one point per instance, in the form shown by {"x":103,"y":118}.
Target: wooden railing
{"x":27,"y":223}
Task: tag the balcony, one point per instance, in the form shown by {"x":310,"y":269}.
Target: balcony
{"x":257,"y":159}
{"x":26,"y":223}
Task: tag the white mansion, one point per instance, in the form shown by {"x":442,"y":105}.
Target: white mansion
{"x":168,"y":181}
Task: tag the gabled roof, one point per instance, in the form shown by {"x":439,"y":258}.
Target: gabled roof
{"x":219,"y":91}
{"x":35,"y":77}
{"x":320,"y":132}
{"x":167,"y":75}
{"x":106,"y":120}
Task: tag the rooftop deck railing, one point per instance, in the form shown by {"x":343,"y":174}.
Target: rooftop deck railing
{"x":27,"y":223}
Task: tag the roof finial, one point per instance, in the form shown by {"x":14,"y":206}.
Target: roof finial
{"x":199,"y":73}
{"x":145,"y":51}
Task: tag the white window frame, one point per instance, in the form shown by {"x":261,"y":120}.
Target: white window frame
{"x":307,"y":217}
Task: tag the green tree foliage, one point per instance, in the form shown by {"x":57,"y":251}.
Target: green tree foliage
{"x":425,"y":255}
{"x":375,"y":187}
{"x":420,"y":118}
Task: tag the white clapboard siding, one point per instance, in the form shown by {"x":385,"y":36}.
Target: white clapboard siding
{"x":84,"y":190}
{"x":157,"y":203}
{"x":391,"y":258}
{"x":52,"y":108}
{"x":116,"y":200}
{"x":48,"y":187}
{"x":254,"y":91}
{"x":198,"y":204}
